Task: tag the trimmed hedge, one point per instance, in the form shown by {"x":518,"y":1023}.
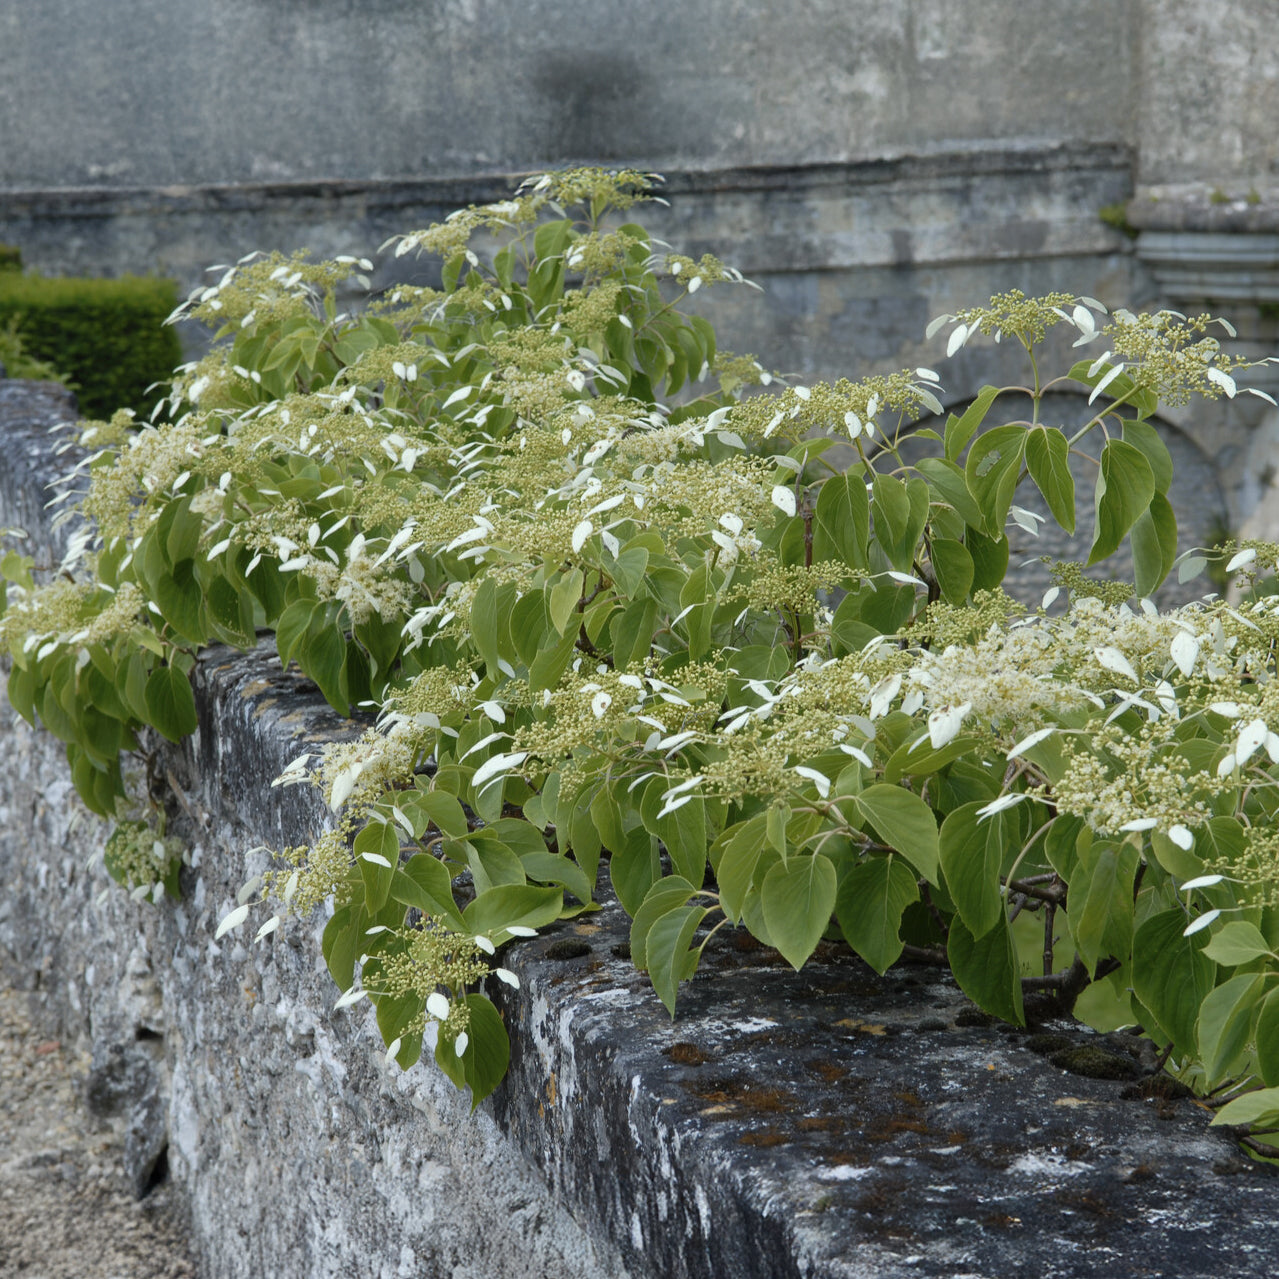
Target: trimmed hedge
{"x":107,"y":336}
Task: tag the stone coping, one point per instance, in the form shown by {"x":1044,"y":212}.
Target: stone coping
{"x":458,"y":191}
{"x":830,"y":1124}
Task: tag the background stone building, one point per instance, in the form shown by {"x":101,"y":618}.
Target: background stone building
{"x":871,"y":163}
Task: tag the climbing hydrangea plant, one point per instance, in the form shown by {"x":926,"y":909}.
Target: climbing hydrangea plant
{"x":746,"y":648}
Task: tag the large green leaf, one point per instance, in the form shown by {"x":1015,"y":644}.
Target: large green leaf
{"x":992,"y":471}
{"x":1125,"y":487}
{"x":904,"y":822}
{"x":669,"y":954}
{"x":170,"y":703}
{"x":973,"y":852}
{"x":1171,"y":975}
{"x":523,"y":905}
{"x":901,"y":512}
{"x":1225,"y":1022}
{"x":1101,"y":924}
{"x":872,"y":898}
{"x":634,"y":867}
{"x":1048,"y":461}
{"x":377,"y":854}
{"x":947,"y":481}
{"x":484,"y":622}
{"x":987,"y":969}
{"x":1267,"y":1038}
{"x":1239,"y":942}
{"x":1143,"y":436}
{"x":682,"y":830}
{"x":841,"y":522}
{"x":488,"y":1051}
{"x":798,"y":899}
{"x":1154,"y":544}
{"x":959,"y":430}
{"x":181,"y":599}
{"x":953,"y":568}
{"x":665,"y":896}
{"x":990,"y":559}
{"x":424,"y":882}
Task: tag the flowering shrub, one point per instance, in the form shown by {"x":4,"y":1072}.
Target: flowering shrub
{"x":610,"y":607}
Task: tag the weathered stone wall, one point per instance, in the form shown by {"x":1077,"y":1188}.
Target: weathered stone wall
{"x":159,"y":93}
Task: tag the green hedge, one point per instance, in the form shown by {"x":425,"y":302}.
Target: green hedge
{"x":107,"y":336}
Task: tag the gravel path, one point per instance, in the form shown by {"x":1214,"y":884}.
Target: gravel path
{"x":65,"y":1209}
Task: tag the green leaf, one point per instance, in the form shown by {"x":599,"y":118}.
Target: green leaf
{"x":634,"y":868}
{"x":990,"y":559}
{"x":563,"y":599}
{"x":665,"y":896}
{"x":946,"y":479}
{"x":1178,"y":862}
{"x":444,"y":811}
{"x":493,"y":863}
{"x":973,"y":853}
{"x":683,"y":831}
{"x":230,"y":612}
{"x":627,"y":571}
{"x":669,"y":956}
{"x":1225,"y":1020}
{"x":1267,"y":1038}
{"x":870,"y":903}
{"x":341,"y":943}
{"x":484,"y":623}
{"x":841,"y":522}
{"x":529,"y":625}
{"x":170,"y":703}
{"x":735,"y":856}
{"x":904,"y":822}
{"x":488,"y":1051}
{"x":798,"y":899}
{"x":901,"y":512}
{"x":424,"y":881}
{"x":551,"y":662}
{"x":180,"y":599}
{"x":631,"y":632}
{"x":1143,"y":436}
{"x":987,"y":969}
{"x":1125,"y":487}
{"x":1258,"y":1107}
{"x":291,"y":629}
{"x":1102,"y":924}
{"x":498,"y":908}
{"x":1237,"y":943}
{"x":553,"y":868}
{"x":992,"y":470}
{"x":1154,"y":544}
{"x":1048,"y":461}
{"x":917,"y":758}
{"x":1171,"y":975}
{"x":322,"y":656}
{"x":959,"y":430}
{"x":377,"y":854}
{"x":953,"y":567}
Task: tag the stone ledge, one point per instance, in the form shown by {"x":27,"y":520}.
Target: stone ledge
{"x":830,"y":1124}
